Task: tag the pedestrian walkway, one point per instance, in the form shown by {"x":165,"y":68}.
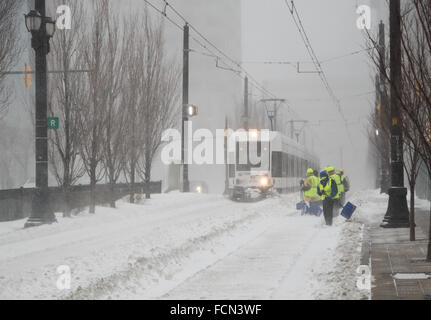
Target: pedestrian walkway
{"x":398,"y":265}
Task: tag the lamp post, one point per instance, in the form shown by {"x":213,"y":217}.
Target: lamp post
{"x":184,"y":117}
{"x":42,"y":28}
{"x":397,"y":214}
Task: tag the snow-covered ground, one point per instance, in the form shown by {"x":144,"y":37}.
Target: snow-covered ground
{"x":189,"y":246}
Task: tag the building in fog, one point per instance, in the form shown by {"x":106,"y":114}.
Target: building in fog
{"x":217,"y":92}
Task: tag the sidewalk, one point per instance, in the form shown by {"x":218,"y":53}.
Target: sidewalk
{"x":398,"y":266}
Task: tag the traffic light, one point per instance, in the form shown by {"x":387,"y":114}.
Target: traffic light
{"x":192,"y":111}
{"x":27,"y":76}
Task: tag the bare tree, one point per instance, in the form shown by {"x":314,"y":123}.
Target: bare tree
{"x":152,"y":97}
{"x":379,"y":134}
{"x":416,"y":43}
{"x":92,"y":113}
{"x":130,"y":99}
{"x":113,"y":141}
{"x":159,"y":116}
{"x":65,"y":90}
{"x":160,"y":103}
{"x":9,"y":46}
{"x":412,"y":167}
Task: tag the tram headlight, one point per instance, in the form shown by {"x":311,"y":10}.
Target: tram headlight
{"x":264,"y":181}
{"x":253,"y":134}
{"x":199,"y":189}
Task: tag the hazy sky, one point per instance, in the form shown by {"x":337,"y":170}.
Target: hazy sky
{"x":269,"y":33}
{"x":263,"y":30}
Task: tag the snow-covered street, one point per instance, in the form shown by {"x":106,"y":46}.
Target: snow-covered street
{"x":186,"y":246}
{"x":175,"y":152}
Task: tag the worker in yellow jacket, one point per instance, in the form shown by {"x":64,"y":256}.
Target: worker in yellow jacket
{"x":345,"y":186}
{"x":310,"y":192}
{"x":328,"y":190}
{"x":334,"y":176}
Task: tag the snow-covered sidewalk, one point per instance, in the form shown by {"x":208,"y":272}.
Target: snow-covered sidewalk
{"x":185,"y":246}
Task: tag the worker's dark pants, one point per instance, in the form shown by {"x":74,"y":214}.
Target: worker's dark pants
{"x":328,"y":207}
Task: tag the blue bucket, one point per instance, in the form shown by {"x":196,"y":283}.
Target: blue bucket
{"x":300,"y":205}
{"x":348,"y":210}
{"x":315,"y":209}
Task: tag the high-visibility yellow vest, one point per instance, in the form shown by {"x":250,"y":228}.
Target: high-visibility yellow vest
{"x":326,"y":190}
{"x":312,"y":192}
{"x":337,"y":180}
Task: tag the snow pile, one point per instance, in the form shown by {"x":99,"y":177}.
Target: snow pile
{"x":338,"y":275}
{"x":371,"y":206}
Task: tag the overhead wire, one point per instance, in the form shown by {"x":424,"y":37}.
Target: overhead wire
{"x":317,"y":64}
{"x":221,"y":54}
{"x":214,"y":51}
{"x":294,"y":63}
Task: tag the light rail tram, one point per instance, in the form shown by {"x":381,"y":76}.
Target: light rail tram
{"x":283,"y":163}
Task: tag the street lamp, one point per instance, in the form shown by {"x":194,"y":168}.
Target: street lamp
{"x":397,"y":214}
{"x":42,"y":28}
{"x":50,"y":27}
{"x":33,"y":21}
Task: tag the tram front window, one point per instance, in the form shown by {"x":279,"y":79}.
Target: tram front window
{"x":243,"y":161}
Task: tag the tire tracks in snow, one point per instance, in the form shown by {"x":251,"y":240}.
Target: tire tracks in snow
{"x":153,"y":275}
{"x":28,"y":268}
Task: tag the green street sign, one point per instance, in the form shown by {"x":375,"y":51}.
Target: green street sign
{"x":53,"y":123}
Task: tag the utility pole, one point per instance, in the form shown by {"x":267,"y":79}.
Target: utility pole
{"x":226,"y":181}
{"x":41,"y":210}
{"x":186,"y":51}
{"x":292,"y":129}
{"x":246,"y":124}
{"x":272,"y":111}
{"x":383,"y":112}
{"x":397,"y":215}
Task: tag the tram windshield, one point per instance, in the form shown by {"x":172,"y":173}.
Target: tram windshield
{"x":249,"y":155}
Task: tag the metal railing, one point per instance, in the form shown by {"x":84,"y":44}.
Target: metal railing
{"x":15,"y":204}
